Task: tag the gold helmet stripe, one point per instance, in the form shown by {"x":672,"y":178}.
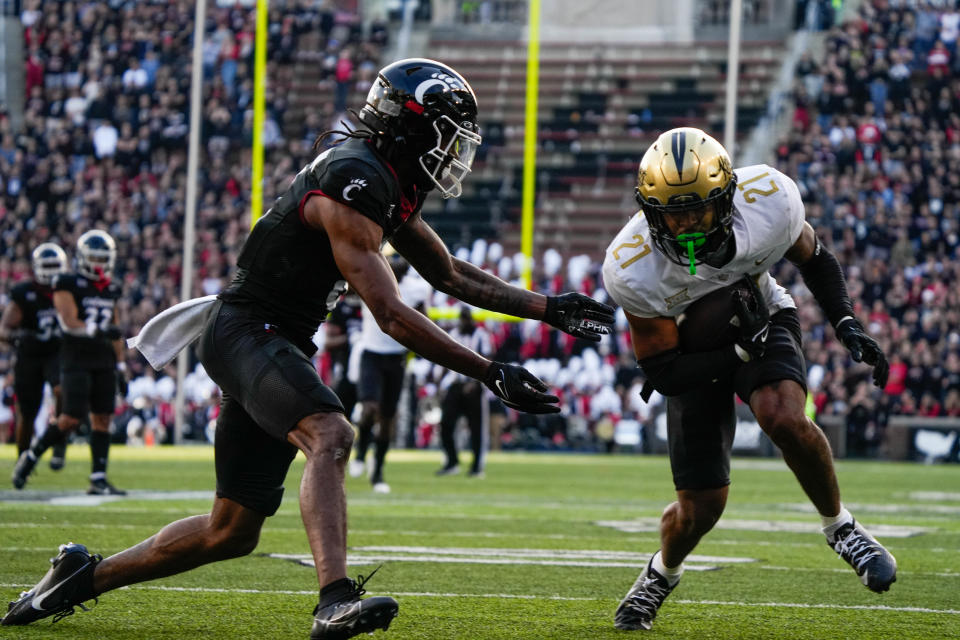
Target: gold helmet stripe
{"x":678,"y":144}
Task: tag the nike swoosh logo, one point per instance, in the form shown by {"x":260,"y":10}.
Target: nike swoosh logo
{"x":503,"y":392}
{"x":764,"y":259}
{"x":37,"y":602}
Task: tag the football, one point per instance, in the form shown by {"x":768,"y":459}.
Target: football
{"x":710,"y":322}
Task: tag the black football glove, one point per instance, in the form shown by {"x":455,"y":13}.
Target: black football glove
{"x":579,"y":315}
{"x":751,"y":309}
{"x":122,"y":385}
{"x":863,"y":348}
{"x":519,"y":389}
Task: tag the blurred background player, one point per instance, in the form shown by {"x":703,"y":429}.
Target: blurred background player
{"x":92,"y":357}
{"x":382,"y":370}
{"x":30,"y":322}
{"x":341,"y":335}
{"x":464,"y":399}
{"x":703,"y":226}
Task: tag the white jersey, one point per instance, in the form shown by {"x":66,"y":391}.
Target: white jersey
{"x":768,"y":217}
{"x":415,"y":291}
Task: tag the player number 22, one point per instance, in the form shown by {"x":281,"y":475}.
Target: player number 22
{"x":105,"y":315}
{"x":640,"y":242}
{"x":750,"y":194}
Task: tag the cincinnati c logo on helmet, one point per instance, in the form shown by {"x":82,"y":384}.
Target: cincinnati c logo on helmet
{"x":442,"y":80}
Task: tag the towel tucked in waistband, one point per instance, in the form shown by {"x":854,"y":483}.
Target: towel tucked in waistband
{"x":170,"y":331}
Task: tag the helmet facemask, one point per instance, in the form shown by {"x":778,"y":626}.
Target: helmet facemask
{"x":450,"y":160}
{"x":698,"y":242}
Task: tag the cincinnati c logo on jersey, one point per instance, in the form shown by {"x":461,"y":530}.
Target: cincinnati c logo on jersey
{"x":355,"y":184}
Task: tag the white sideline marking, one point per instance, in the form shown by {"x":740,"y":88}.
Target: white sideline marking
{"x":62,"y":499}
{"x":934,"y":495}
{"x":367,"y":559}
{"x":515,"y":596}
{"x":887,"y":507}
{"x":939,"y":574}
{"x":648,"y":525}
{"x":524,"y":556}
{"x":543,"y":553}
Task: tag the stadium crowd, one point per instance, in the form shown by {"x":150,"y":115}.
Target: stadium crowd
{"x":874,"y":146}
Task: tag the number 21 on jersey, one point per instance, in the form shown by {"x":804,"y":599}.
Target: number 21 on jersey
{"x":639,"y":244}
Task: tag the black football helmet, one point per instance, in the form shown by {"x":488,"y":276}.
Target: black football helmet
{"x":686,"y":182}
{"x":96,"y":254}
{"x":422,"y":110}
{"x":48,"y":260}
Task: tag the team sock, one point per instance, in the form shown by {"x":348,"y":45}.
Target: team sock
{"x":672,"y":574}
{"x":49,"y":438}
{"x":100,"y":451}
{"x":831,"y":524}
{"x":379,"y":455}
{"x":335,"y":591}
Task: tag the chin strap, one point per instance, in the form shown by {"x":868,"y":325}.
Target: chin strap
{"x":692,"y":240}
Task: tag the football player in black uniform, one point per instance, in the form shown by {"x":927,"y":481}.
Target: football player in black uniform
{"x":326,"y":231}
{"x":92,"y":367}
{"x":30,"y":322}
{"x":343,"y":330}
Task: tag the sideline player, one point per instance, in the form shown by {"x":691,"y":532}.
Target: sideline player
{"x":30,"y":322}
{"x":464,"y":397}
{"x":92,"y":366}
{"x":326,"y":231}
{"x":703,"y":226}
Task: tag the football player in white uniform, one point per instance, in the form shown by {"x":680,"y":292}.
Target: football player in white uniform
{"x":702,"y":227}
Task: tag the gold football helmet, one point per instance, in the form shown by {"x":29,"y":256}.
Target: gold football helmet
{"x":685,"y":187}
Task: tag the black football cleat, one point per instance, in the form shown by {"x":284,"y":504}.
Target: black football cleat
{"x":23,"y":468}
{"x":639,"y":607}
{"x":68,"y":584}
{"x":58,"y":455}
{"x":103,"y":488}
{"x":351,"y":615}
{"x":875,"y":565}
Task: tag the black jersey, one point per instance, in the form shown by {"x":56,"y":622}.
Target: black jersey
{"x":96,"y":303}
{"x":348,"y":315}
{"x":38,"y":317}
{"x":286,"y":269}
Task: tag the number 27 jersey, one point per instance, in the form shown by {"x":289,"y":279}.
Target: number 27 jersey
{"x":96,"y":303}
{"x":768,"y":217}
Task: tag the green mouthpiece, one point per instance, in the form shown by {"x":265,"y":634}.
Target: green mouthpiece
{"x":693,"y":241}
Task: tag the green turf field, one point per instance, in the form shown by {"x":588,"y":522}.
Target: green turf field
{"x":543,"y":547}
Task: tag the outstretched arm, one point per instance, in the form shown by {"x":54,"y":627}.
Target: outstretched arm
{"x":425,"y":251}
{"x":355,"y":240}
{"x":574,"y":313}
{"x":823,"y":275}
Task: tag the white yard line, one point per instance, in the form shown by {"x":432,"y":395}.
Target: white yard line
{"x":515,"y":596}
{"x":939,"y":574}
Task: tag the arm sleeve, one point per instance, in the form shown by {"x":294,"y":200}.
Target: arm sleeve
{"x":824,"y":277}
